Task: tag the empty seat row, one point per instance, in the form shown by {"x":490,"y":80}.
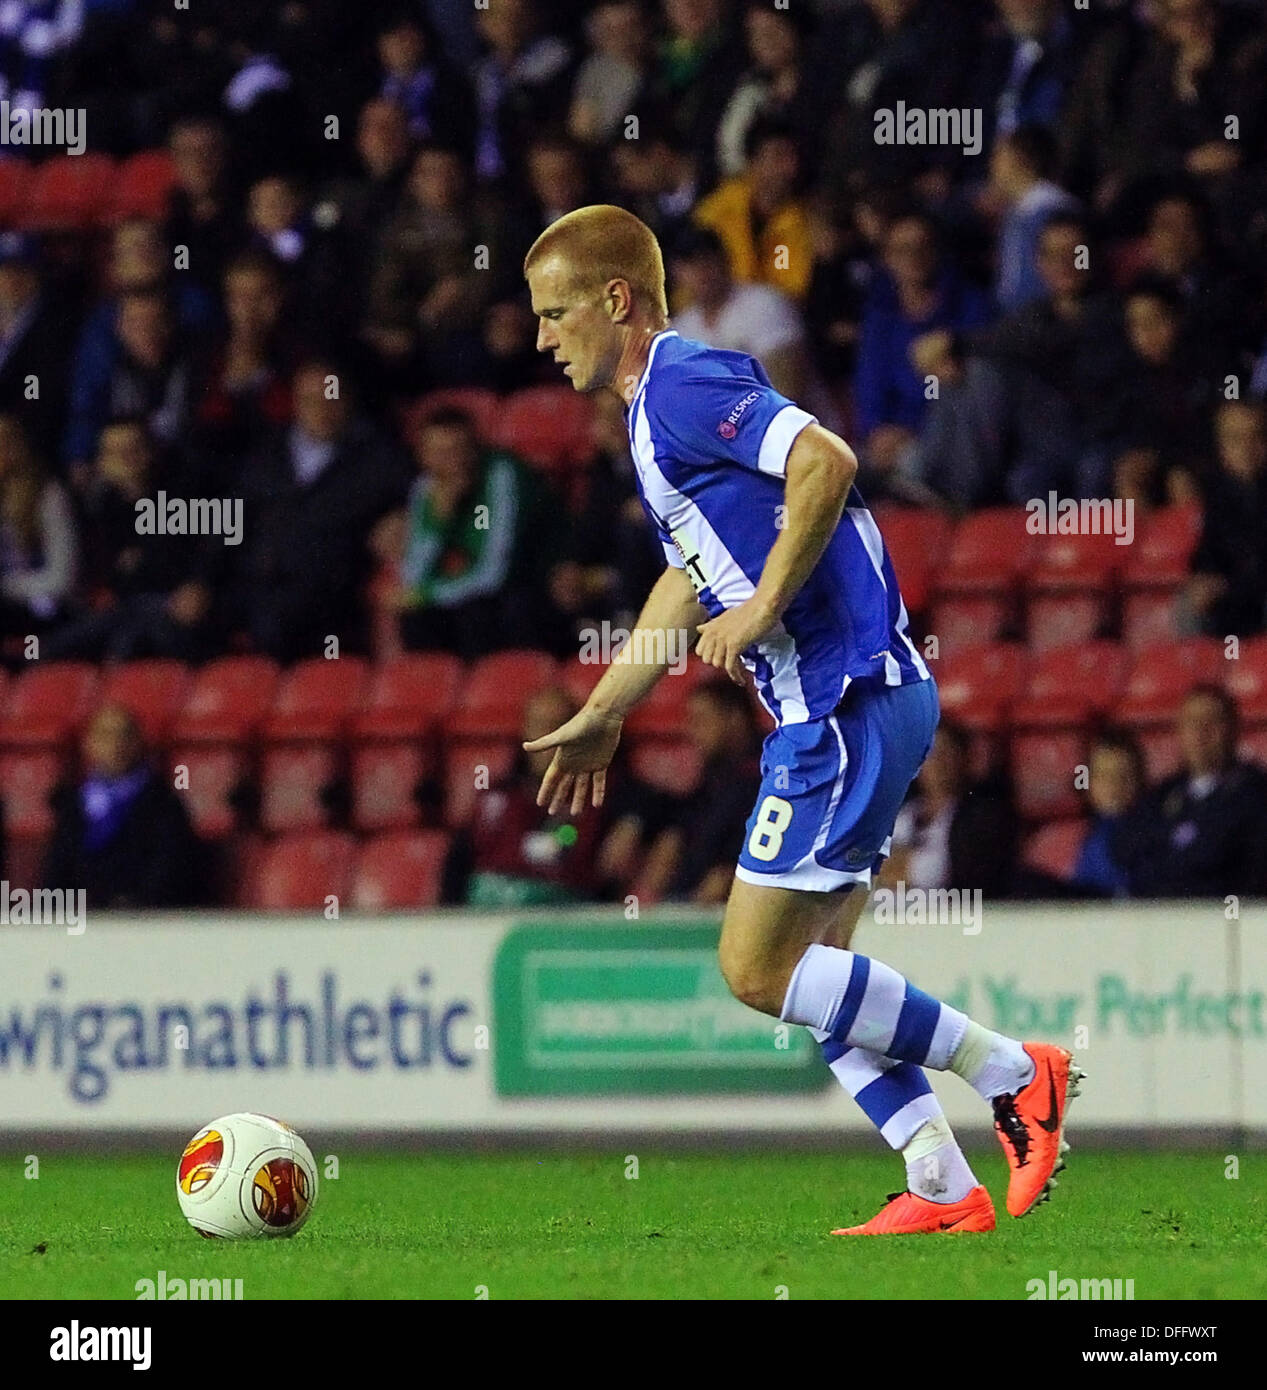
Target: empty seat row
{"x":306,"y":870}
{"x":994,"y":554}
{"x":242,"y":698}
{"x":551,"y":427}
{"x":1002,"y":684}
{"x":77,"y":192}
{"x":1141,"y":618}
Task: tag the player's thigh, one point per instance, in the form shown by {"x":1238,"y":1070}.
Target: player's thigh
{"x":844,"y":923}
{"x":765,"y":932}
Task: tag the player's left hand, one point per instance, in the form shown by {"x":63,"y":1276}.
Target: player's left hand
{"x":724,"y":638}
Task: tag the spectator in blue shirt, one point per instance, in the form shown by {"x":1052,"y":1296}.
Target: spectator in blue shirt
{"x":917,"y":292}
{"x":1020,"y":178}
{"x":1115,"y":783}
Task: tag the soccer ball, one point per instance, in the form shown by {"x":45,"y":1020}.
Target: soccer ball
{"x":245,"y":1176}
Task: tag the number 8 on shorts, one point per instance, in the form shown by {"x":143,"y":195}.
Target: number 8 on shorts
{"x":773,"y":819}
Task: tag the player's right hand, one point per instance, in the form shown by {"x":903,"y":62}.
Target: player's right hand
{"x":584,"y":747}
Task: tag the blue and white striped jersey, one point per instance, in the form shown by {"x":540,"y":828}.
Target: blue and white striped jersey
{"x":710,"y":439}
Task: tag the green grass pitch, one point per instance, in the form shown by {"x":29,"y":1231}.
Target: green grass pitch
{"x":696,"y":1225}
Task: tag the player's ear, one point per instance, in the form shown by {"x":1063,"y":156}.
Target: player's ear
{"x":618,"y":300}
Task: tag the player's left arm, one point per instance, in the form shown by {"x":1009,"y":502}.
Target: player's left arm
{"x":820,"y":470}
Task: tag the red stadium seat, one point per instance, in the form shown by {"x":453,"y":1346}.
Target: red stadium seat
{"x":664,"y":711}
{"x":1068,"y":685}
{"x":1059,"y":620}
{"x":317,"y":699}
{"x":978,"y":687}
{"x":1069,"y":588}
{"x":1160,"y":747}
{"x":143,"y":186}
{"x":47,"y":702}
{"x":152,"y":690}
{"x":918,"y":541}
{"x":1246,"y":681}
{"x":385,"y":776}
{"x":988,"y":553}
{"x":579,"y":678}
{"x":404,"y":869}
{"x":483,"y":761}
{"x":24,"y":859}
{"x":1253,"y":747}
{"x":1162,"y":549}
{"x":971,"y":621}
{"x":293,"y":779}
{"x":228,"y":701}
{"x":300,"y":871}
{"x":1148,"y":619}
{"x":1054,"y":847}
{"x":16,"y":180}
{"x":70,"y":192}
{"x":671,"y":764}
{"x":483,"y":406}
{"x":550,"y":426}
{"x":409,"y":696}
{"x":1073,"y":564}
{"x":1160,"y":677}
{"x":28,"y":778}
{"x":496,"y":689}
{"x":215,"y":771}
{"x":1043,"y":766}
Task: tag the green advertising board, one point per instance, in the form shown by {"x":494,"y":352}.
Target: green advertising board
{"x":634,"y":1010}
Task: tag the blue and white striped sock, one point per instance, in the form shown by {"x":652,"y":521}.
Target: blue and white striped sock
{"x":897,"y":1099}
{"x":895,"y":1096}
{"x":867,"y":1004}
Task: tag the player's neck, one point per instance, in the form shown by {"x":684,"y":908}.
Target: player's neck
{"x":633,"y":360}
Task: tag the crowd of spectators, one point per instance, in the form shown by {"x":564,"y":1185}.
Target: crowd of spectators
{"x":1076,"y":302}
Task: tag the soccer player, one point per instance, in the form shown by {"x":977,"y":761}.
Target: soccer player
{"x":774,"y":559}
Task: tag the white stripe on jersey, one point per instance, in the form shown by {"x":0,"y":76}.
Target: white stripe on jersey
{"x":864,"y":524}
{"x":776,"y":443}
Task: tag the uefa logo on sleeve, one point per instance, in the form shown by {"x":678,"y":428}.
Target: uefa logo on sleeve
{"x":729,"y":427}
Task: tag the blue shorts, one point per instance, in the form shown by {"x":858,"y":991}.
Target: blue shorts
{"x":831,"y":789}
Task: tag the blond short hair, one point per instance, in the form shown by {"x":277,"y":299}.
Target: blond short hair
{"x":604,"y":243}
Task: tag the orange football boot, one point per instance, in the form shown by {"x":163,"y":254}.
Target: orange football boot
{"x":909,"y":1215}
{"x":1031,"y":1126}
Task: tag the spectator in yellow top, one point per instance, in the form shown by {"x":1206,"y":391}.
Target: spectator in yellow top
{"x":760,"y":215}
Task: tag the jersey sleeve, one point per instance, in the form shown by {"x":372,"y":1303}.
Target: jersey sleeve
{"x":700,"y":418}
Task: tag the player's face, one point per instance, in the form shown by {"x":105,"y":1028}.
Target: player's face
{"x":573,"y":326}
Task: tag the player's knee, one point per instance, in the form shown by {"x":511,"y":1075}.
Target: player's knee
{"x":750,"y":981}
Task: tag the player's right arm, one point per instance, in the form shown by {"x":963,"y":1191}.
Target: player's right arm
{"x":671,"y":609}
{"x":585,"y":745}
